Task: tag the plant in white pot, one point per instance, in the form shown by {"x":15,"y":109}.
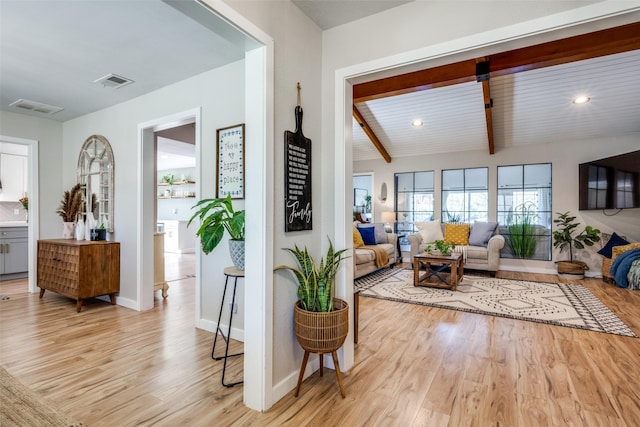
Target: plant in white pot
{"x":216,"y":216}
{"x":321,"y":321}
{"x":565,"y":237}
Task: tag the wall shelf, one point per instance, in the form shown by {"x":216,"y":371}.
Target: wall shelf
{"x":179,"y":194}
{"x":165,"y":184}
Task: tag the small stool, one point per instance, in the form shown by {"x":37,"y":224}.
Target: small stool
{"x":235,"y":273}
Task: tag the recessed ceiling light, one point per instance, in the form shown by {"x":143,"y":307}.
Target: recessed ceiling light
{"x":581,"y":99}
{"x":416,"y":123}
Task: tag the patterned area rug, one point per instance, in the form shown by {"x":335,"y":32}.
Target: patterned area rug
{"x":553,"y":303}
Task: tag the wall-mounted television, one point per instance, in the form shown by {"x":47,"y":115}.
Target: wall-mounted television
{"x":610,"y":183}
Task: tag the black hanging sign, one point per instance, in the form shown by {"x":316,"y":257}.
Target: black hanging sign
{"x":297,"y":179}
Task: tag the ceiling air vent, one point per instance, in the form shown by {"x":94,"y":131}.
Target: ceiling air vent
{"x":38,"y":107}
{"x":113,"y":80}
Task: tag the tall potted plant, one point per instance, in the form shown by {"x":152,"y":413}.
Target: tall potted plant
{"x":321,"y":321}
{"x":216,"y":216}
{"x":565,"y":237}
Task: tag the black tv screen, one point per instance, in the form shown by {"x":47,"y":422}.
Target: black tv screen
{"x":610,"y":183}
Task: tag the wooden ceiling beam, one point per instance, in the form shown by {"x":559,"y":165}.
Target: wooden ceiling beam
{"x":372,"y":136}
{"x":488,"y":103}
{"x":585,"y":46}
{"x":591,"y":45}
{"x":445,"y":75}
{"x":483,"y":75}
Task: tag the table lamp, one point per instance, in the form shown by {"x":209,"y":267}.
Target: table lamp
{"x":388,"y":218}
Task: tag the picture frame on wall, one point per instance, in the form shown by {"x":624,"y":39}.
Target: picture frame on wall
{"x":230,"y":162}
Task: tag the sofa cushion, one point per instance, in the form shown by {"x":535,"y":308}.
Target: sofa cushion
{"x":477,"y":252}
{"x":364,"y":255}
{"x":430,"y":231}
{"x":357,"y":238}
{"x":481,"y":232}
{"x":458,"y":234}
{"x":368,"y":235}
{"x":380,"y":233}
{"x":615,"y":240}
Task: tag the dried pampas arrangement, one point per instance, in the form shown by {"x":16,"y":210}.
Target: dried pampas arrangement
{"x":71,"y":204}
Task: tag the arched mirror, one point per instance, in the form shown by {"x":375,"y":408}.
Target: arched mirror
{"x":95,"y":174}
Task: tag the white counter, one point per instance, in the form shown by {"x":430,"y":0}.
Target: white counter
{"x":13,"y":224}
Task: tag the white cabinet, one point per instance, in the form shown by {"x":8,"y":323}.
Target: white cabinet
{"x":14,"y":250}
{"x":13,"y":172}
{"x":177,"y":237}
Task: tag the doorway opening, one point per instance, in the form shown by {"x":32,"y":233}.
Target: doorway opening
{"x":30,"y":164}
{"x":151,"y":133}
{"x":176,"y":194}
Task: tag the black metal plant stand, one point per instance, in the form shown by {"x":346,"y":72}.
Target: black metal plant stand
{"x":235,"y":273}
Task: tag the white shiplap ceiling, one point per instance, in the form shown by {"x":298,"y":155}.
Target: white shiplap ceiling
{"x":530,"y":107}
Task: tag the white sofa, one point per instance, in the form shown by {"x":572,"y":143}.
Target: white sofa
{"x":477,"y":257}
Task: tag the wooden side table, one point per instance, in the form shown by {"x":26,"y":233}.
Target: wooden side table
{"x":436,"y":266}
{"x":79,"y":269}
{"x":235,"y":273}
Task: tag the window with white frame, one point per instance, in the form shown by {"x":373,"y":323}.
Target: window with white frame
{"x":465,"y":195}
{"x":524,"y":210}
{"x":414,"y":199}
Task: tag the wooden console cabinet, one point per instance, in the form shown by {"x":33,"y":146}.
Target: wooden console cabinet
{"x":79,"y":269}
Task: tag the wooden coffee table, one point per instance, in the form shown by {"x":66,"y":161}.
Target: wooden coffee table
{"x":435,"y":273}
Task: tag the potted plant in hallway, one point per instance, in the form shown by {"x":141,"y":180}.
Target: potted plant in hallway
{"x":216,"y":216}
{"x":321,"y":321}
{"x":564,"y":237}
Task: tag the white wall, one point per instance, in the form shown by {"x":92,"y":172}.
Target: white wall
{"x":49,"y":134}
{"x":564,"y":158}
{"x":220,"y":94}
{"x":298,"y":50}
{"x":301,"y":51}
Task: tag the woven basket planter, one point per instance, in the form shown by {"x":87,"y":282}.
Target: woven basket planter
{"x":322,"y":332}
{"x":572,"y":269}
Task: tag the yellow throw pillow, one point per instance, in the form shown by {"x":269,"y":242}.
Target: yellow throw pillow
{"x":458,"y":234}
{"x":357,"y":238}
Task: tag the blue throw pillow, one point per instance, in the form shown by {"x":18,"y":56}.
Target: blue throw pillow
{"x":368,"y":235}
{"x":615,"y":240}
{"x":381,"y":235}
{"x":481,"y":232}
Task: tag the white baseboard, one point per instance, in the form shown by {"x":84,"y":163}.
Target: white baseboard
{"x":291,"y":381}
{"x":124,"y":302}
{"x":522,"y":269}
{"x":209,"y":325}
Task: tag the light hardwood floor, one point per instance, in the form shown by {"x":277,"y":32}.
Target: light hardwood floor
{"x":415,"y":366}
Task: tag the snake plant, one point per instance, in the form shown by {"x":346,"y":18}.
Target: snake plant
{"x":315,"y":284}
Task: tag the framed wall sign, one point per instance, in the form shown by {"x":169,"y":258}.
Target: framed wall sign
{"x":230,"y":162}
{"x":297,"y":178}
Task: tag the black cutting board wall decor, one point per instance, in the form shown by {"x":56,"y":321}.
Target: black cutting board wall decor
{"x":297,"y":178}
